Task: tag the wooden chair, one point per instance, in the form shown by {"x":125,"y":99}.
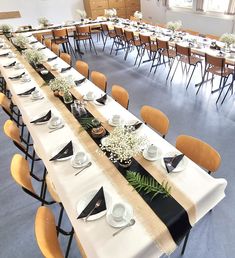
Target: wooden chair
{"x":118,"y":40}
{"x":39,"y":37}
{"x":156,"y":119}
{"x":99,"y":79}
{"x":13,"y":132}
{"x":46,"y":234}
{"x":48,"y":43}
{"x":66,"y":57}
{"x":5,"y":103}
{"x":199,"y":151}
{"x":83,"y":68}
{"x":55,"y":48}
{"x":107,"y":33}
{"x":185,"y":57}
{"x":83,"y":34}
{"x":60,"y":37}
{"x":131,"y":41}
{"x":216,"y":67}
{"x":120,"y":95}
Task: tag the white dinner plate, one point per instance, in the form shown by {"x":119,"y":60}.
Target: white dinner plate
{"x":58,"y":149}
{"x":124,"y":221}
{"x":181,"y":166}
{"x":158,"y":155}
{"x":87,"y":197}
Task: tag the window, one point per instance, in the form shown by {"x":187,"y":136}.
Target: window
{"x":216,"y":6}
{"x":181,"y":3}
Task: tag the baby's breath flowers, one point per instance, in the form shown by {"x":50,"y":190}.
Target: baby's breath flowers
{"x":110,"y":12}
{"x":123,"y":144}
{"x":174,"y":25}
{"x":228,"y":38}
{"x":61,"y":84}
{"x":34,"y":57}
{"x":138,"y":15}
{"x":6,"y":28}
{"x":43,"y":21}
{"x":20,"y":41}
{"x":82,"y":14}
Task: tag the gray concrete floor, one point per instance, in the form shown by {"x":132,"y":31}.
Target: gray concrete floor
{"x":214,"y":235}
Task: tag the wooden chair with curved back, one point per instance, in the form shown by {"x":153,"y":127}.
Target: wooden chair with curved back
{"x":66,"y":57}
{"x":46,"y":233}
{"x":83,"y":68}
{"x":155,"y":119}
{"x":47,"y":42}
{"x":199,"y":151}
{"x":39,"y":37}
{"x":5,"y":103}
{"x":55,"y":48}
{"x":99,"y":79}
{"x":13,"y":132}
{"x":120,"y":95}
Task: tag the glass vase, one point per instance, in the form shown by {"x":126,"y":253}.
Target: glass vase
{"x":67,"y":97}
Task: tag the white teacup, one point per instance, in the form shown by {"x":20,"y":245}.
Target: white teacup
{"x":152,"y":150}
{"x":25,"y":78}
{"x":90,"y":95}
{"x":18,"y":66}
{"x":80,"y":157}
{"x":36,"y":94}
{"x":55,"y":121}
{"x":116,"y":119}
{"x":55,"y":66}
{"x":11,"y":54}
{"x":118,"y":211}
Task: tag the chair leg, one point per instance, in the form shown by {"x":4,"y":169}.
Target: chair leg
{"x":69,"y":244}
{"x":105,"y":41}
{"x":175,"y":70}
{"x":190,"y":76}
{"x":185,"y":243}
{"x":230,"y":88}
{"x":170,"y":69}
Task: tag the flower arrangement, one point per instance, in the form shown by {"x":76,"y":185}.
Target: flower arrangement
{"x":110,"y":12}
{"x":61,"y":84}
{"x":174,"y":25}
{"x":20,"y":41}
{"x":6,"y":28}
{"x":228,"y":38}
{"x":123,"y":144}
{"x":82,"y":14}
{"x":138,"y":15}
{"x":34,"y":57}
{"x":43,"y":21}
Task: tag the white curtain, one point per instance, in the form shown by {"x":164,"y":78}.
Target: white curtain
{"x":231,"y":7}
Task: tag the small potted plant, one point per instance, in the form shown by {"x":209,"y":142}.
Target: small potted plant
{"x":43,"y":22}
{"x":228,"y":39}
{"x":82,"y":14}
{"x":20,"y":41}
{"x":34,"y":57}
{"x":138,"y":15}
{"x":6,"y":29}
{"x":173,"y":26}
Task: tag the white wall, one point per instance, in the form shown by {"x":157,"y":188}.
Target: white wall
{"x":153,"y":10}
{"x":55,"y":10}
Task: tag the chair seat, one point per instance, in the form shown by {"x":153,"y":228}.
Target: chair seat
{"x":193,"y":60}
{"x":217,"y":71}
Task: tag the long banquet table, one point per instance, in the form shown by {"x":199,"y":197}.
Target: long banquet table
{"x":195,"y":190}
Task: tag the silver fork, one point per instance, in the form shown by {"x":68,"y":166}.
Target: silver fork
{"x":98,"y":203}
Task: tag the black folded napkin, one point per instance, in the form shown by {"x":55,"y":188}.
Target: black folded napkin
{"x":4,"y":54}
{"x":43,"y":118}
{"x":98,"y":196}
{"x":102,"y":100}
{"x":11,"y":64}
{"x":33,"y":42}
{"x":17,"y":76}
{"x":51,"y":58}
{"x":1,"y":46}
{"x":172,"y":162}
{"x":137,"y":125}
{"x":65,"y":69}
{"x":78,"y":82}
{"x":27,"y":92}
{"x":41,"y":48}
{"x":67,"y":151}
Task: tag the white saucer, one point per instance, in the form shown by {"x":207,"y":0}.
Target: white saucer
{"x":50,"y":126}
{"x":110,"y":122}
{"x":79,"y":165}
{"x":87,"y":197}
{"x":158,"y":155}
{"x":181,"y":166}
{"x":57,"y":150}
{"x":119,"y":224}
{"x":36,"y":98}
{"x":89,"y":99}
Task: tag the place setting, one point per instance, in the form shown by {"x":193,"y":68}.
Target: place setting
{"x":42,"y":119}
{"x":102,"y":100}
{"x":174,"y":162}
{"x":63,"y":152}
{"x":115,"y":120}
{"x":16,"y":76}
{"x":80,"y":160}
{"x":55,"y":123}
{"x":152,"y":153}
{"x":27,"y":92}
{"x":36,"y":95}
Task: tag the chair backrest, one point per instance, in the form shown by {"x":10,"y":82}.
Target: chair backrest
{"x":21,"y":173}
{"x":47,"y":42}
{"x":81,"y":30}
{"x":120,"y":95}
{"x":46,"y":234}
{"x":119,"y":31}
{"x":129,"y":35}
{"x":215,"y":61}
{"x":145,"y":40}
{"x":39,"y":37}
{"x":99,"y":79}
{"x":59,"y":33}
{"x":162,"y":44}
{"x":182,"y":50}
{"x":198,"y":151}
{"x":83,"y":68}
{"x":12,"y":131}
{"x":211,"y":36}
{"x":66,"y":57}
{"x":5,"y":103}
{"x":104,"y":27}
{"x":55,"y":48}
{"x":156,"y":119}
